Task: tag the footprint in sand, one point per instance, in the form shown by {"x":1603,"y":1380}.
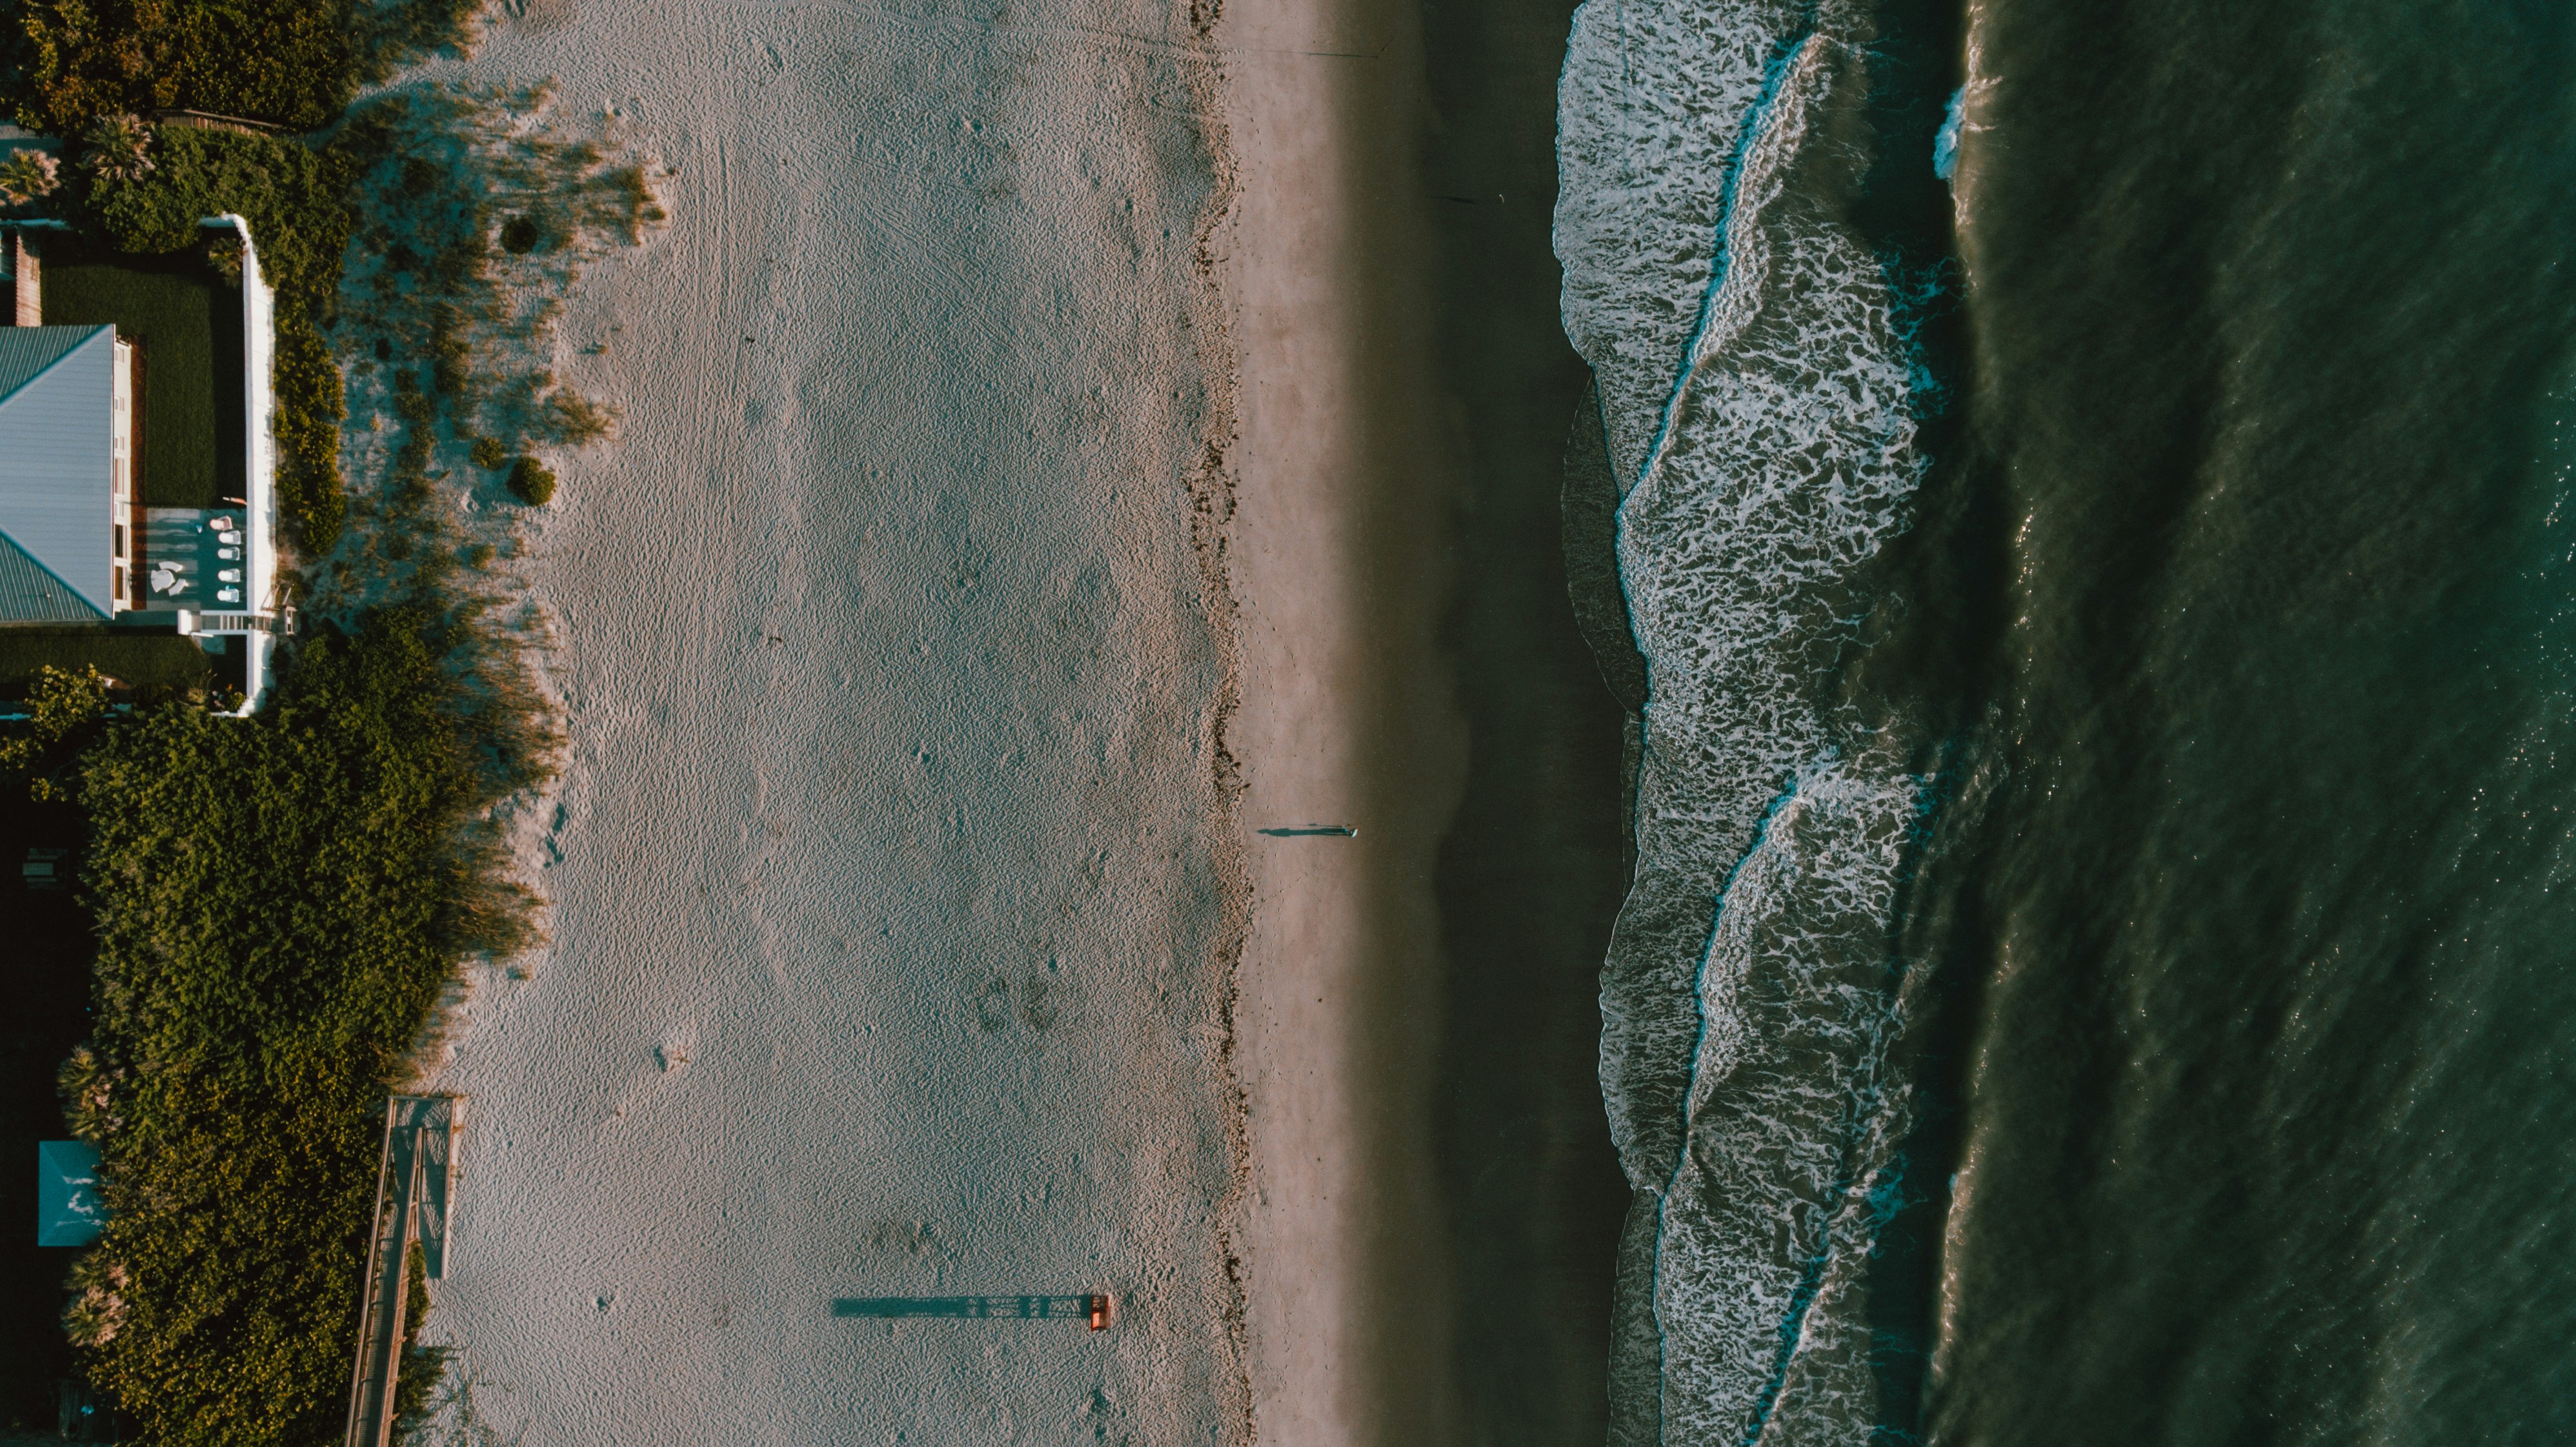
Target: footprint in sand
{"x":678,"y":1045}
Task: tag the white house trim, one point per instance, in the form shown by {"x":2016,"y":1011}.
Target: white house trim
{"x":259,"y":470}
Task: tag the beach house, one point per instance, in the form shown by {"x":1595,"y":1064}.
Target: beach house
{"x":66,"y":461}
{"x":82,"y":542}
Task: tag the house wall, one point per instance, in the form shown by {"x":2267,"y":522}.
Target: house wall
{"x":26,"y":282}
{"x":123,"y":586}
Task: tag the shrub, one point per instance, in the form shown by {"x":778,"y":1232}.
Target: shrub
{"x":309,"y":408}
{"x":29,"y":176}
{"x":489,"y":454}
{"x":119,"y":148}
{"x":65,"y":710}
{"x":520,"y":235}
{"x":224,"y":257}
{"x":75,"y":60}
{"x":532,"y":481}
{"x":89,"y":1095}
{"x":291,"y":195}
{"x":256,"y":1028}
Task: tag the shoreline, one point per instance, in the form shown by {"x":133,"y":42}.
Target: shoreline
{"x":1436,"y":1205}
{"x":987,"y":981}
{"x":1347,"y":719}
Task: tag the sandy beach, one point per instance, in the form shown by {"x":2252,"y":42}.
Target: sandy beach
{"x":884,"y":897}
{"x":1436,"y":1199}
{"x":1058,"y":448}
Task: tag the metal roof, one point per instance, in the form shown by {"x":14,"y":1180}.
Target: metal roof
{"x":57,"y":415}
{"x":25,"y":352}
{"x":30,"y":594}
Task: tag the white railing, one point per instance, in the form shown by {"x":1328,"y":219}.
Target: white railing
{"x":194,"y":624}
{"x":259,"y":471}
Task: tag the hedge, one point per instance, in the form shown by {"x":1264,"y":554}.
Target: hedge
{"x":279,"y":902}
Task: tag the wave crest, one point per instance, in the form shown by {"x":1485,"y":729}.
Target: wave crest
{"x":1760,"y":394}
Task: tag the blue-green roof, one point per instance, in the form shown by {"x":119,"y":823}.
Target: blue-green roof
{"x":57,"y":478}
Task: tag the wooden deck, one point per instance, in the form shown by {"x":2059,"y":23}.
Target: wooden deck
{"x":411,"y":1209}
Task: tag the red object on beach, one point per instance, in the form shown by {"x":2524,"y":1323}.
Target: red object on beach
{"x":1100,"y":1313}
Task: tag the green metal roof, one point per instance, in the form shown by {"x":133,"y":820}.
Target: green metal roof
{"x":57,"y":472}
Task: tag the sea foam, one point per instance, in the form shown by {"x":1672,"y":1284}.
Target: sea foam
{"x":1760,"y":396}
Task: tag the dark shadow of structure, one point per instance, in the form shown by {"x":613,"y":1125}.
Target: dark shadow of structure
{"x":1070,"y":1308}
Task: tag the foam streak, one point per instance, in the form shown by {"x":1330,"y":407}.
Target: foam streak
{"x":1758,"y":391}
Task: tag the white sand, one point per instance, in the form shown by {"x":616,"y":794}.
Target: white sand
{"x":896,"y":884}
{"x":890,"y":906}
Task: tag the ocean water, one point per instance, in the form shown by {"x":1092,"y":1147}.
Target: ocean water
{"x":2096,"y":514}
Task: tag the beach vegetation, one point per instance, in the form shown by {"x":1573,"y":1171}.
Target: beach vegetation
{"x":244,"y":1033}
{"x":28,"y":176}
{"x":65,"y":710}
{"x":573,"y":419}
{"x":310,"y":407}
{"x":290,"y":63}
{"x":532,"y":482}
{"x":476,"y":210}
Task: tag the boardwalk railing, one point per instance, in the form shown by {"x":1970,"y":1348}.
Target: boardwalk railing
{"x":411,"y":1209}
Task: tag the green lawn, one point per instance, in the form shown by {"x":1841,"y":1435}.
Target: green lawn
{"x":189,"y":325}
{"x":153,"y":662}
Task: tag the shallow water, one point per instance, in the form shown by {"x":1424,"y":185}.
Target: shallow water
{"x":2092,"y":974}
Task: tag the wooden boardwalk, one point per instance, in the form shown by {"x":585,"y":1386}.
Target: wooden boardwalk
{"x":411,"y":1209}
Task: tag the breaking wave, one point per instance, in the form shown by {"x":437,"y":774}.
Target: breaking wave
{"x":1760,"y":392}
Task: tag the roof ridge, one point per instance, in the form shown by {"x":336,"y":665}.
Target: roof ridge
{"x":65,"y":355}
{"x":59,"y":581}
